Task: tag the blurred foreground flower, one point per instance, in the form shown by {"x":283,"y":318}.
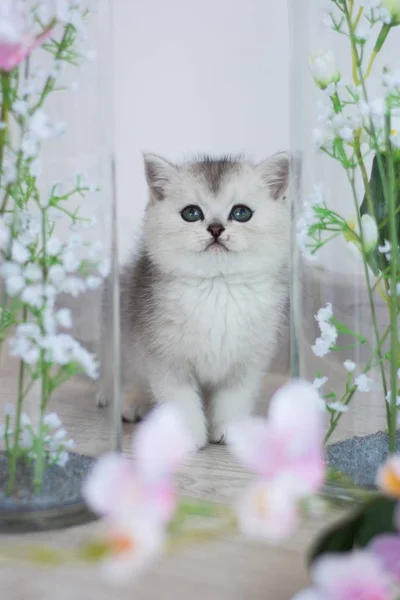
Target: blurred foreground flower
{"x":356,"y":576}
{"x":388,"y":478}
{"x":286,"y":451}
{"x":138,"y":498}
{"x":17,"y":39}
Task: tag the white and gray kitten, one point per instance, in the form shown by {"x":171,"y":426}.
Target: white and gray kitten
{"x":202,"y":303}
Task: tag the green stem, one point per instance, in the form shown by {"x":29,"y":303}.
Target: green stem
{"x":44,"y":397}
{"x":5,"y":109}
{"x":394,"y":340}
{"x":49,"y":84}
{"x":368,"y":282}
{"x":12,"y":469}
{"x":349,"y":393}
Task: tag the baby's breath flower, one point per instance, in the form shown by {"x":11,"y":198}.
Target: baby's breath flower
{"x":349,"y":365}
{"x":363,"y":383}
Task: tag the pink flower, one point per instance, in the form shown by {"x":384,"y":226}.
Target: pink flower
{"x":286,"y":452}
{"x":388,"y":477}
{"x":268,"y":512}
{"x":386,"y":548}
{"x":131,"y":548}
{"x":138,"y":497}
{"x":17,"y":39}
{"x":355,"y":576}
{"x":290,"y":443}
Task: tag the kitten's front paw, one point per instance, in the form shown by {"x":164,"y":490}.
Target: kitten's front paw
{"x":133,"y":410}
{"x":219,"y":433}
{"x":103,"y":398}
{"x":197,"y":427}
{"x":200,"y":436}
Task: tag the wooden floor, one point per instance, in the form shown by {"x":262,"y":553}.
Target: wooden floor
{"x":222,"y":570}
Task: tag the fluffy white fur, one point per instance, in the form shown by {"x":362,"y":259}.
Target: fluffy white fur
{"x":199,"y":324}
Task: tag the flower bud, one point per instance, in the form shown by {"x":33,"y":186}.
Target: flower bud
{"x":393,"y":9}
{"x":323,"y":68}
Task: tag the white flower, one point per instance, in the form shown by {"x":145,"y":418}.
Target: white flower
{"x":19,"y":253}
{"x":62,"y":459}
{"x":338,"y":407}
{"x":60,"y":435}
{"x":104,"y":268}
{"x":389,"y":398}
{"x":52,"y":420}
{"x":321,"y":347}
{"x":361,"y":33}
{"x":14,"y":284}
{"x":363,"y":383}
{"x":318,"y":137}
{"x":347,"y":134}
{"x":57,"y":274}
{"x":70,"y":261}
{"x":370,"y":232}
{"x":20,"y":107}
{"x":33,"y":295}
{"x":53,"y":246}
{"x":319,"y":382}
{"x":29,"y":330}
{"x":325,"y":313}
{"x":33,"y":272}
{"x":4,"y":235}
{"x":393,"y":9}
{"x":93,"y":282}
{"x":39,"y":125}
{"x":25,"y":420}
{"x":95,"y":249}
{"x":73,"y":286}
{"x":387,"y":246}
{"x":25,"y":349}
{"x":349,"y":365}
{"x":75,"y":242}
{"x":63,"y":317}
{"x":323,"y":68}
{"x":26,"y":439}
{"x":329,"y":333}
{"x":69,"y":444}
{"x":9,"y":410}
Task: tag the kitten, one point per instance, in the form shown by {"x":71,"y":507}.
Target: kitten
{"x":202,"y":304}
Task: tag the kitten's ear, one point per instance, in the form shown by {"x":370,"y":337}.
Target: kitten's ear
{"x":158,"y":173}
{"x":275,"y":172}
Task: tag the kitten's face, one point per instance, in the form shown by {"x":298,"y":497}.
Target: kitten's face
{"x":212,"y":216}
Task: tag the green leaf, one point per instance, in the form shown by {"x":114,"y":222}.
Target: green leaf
{"x":339,"y":538}
{"x":377,"y":518}
{"x":45,"y":556}
{"x":379,"y":205}
{"x":200,"y":508}
{"x":95,"y":551}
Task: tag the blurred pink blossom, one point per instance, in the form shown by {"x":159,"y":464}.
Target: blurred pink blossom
{"x":137,"y":497}
{"x":17,"y":39}
{"x":386,"y":548}
{"x":286,"y":452}
{"x":355,"y":576}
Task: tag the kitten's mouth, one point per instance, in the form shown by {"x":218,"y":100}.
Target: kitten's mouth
{"x":216,"y":246}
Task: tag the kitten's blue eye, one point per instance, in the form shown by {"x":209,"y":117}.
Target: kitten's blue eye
{"x":241,"y":213}
{"x":192,"y":213}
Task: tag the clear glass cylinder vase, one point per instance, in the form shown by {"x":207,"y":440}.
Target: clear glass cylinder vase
{"x":345,"y":103}
{"x":57,"y":248}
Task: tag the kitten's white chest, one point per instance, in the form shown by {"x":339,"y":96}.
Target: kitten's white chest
{"x":215,"y":325}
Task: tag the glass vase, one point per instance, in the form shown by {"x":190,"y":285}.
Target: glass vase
{"x":57,"y":242}
{"x":346,"y":200}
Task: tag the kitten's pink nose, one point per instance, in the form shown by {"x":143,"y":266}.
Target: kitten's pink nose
{"x":216,"y":229}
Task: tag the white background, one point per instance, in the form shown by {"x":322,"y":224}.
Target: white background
{"x":195,"y":76}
